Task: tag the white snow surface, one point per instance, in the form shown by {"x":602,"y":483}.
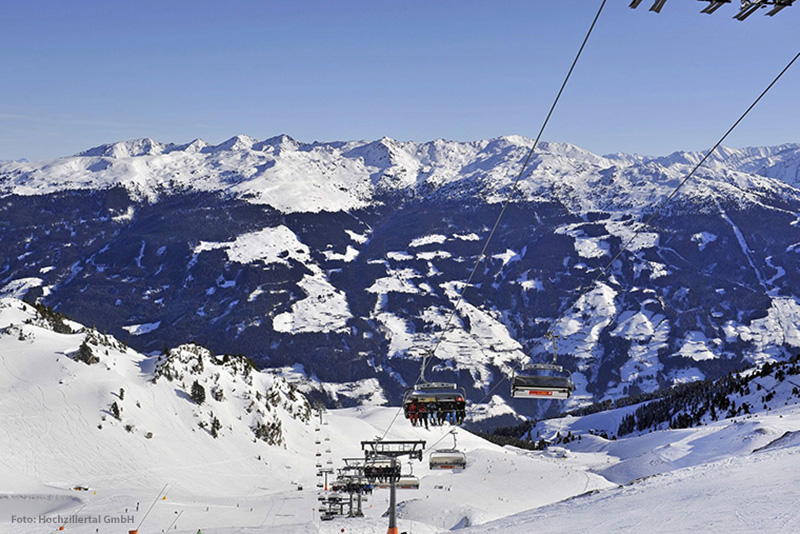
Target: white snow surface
{"x":270,"y":245}
{"x":139,"y":329}
{"x":17,"y":288}
{"x":732,"y":475}
{"x":324,"y":308}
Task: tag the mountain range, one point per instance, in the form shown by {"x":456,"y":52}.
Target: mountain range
{"x":338,"y":264}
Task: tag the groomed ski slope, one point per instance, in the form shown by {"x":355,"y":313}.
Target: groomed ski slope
{"x":728,"y":476}
{"x":754,"y":493}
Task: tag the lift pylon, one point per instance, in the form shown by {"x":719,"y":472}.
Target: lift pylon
{"x":392,"y":450}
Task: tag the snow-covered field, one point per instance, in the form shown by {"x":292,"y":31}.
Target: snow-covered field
{"x":58,"y":433}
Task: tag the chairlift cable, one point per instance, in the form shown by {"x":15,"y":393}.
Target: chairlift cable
{"x":655,"y":213}
{"x":512,"y":191}
{"x":659,"y":206}
{"x":672,"y":194}
{"x":506,"y":203}
{"x":685,"y":180}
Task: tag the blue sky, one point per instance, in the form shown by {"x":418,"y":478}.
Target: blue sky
{"x":82,"y":73}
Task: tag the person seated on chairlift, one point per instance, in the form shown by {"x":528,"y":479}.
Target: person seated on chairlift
{"x":423,"y":414}
{"x":412,"y":413}
{"x":433,"y":412}
{"x":461,"y":412}
{"x":444,"y":412}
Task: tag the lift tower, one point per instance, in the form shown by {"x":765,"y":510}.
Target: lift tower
{"x":392,"y":450}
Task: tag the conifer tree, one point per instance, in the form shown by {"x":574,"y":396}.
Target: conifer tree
{"x":198,"y":393}
{"x":86,"y":355}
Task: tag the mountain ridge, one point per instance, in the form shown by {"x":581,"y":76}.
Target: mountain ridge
{"x":367,"y":170}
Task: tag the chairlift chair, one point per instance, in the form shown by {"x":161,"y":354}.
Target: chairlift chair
{"x":428,"y":392}
{"x":531,"y":382}
{"x":425,"y":392}
{"x":407,"y":482}
{"x":447,"y":459}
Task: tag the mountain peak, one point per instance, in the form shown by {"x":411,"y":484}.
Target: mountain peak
{"x":126,"y":149}
{"x":237,"y":142}
{"x":195,"y":146}
{"x":279,"y":143}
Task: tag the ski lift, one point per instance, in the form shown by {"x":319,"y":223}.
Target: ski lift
{"x":327,"y":438}
{"x":378,"y":471}
{"x":328,"y":450}
{"x":448,"y":458}
{"x":319,"y":465}
{"x":407,"y":482}
{"x":442,"y":393}
{"x":434,"y":391}
{"x":329,"y":462}
{"x":532,"y":382}
{"x":318,"y":453}
{"x":317,"y":442}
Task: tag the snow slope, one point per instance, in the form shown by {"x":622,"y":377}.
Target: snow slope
{"x":758,"y":492}
{"x":730,"y":476}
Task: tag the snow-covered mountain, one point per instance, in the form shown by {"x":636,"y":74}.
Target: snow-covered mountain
{"x":70,"y":390}
{"x":338,"y":263}
{"x":296,"y":177}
